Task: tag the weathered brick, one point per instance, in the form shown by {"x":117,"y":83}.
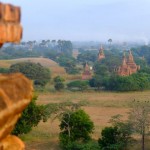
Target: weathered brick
{"x":9,"y":13}
{"x":3,"y":33}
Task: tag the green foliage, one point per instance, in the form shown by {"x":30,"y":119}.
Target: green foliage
{"x":90,"y":56}
{"x":101,"y":70}
{"x":65,"y":47}
{"x":142,"y":51}
{"x":98,"y":81}
{"x":46,"y":48}
{"x":112,"y":60}
{"x":109,"y":139}
{"x":12,"y":52}
{"x":4,"y":70}
{"x":51,"y":55}
{"x":75,"y":126}
{"x":117,"y":137}
{"x":59,"y":79}
{"x":141,"y":62}
{"x":125,"y":128}
{"x":59,"y":83}
{"x":31,"y":116}
{"x":101,"y":74}
{"x":135,"y":82}
{"x":69,"y":63}
{"x":145,"y":69}
{"x":90,"y":145}
{"x":81,"y":85}
{"x":33,"y":71}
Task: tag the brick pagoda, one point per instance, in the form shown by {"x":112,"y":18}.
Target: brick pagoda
{"x":128,"y":66}
{"x":101,"y":54}
{"x":86,"y":75}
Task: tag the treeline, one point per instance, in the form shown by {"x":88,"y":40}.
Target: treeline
{"x":46,"y":48}
{"x":143,"y":52}
{"x":134,"y":82}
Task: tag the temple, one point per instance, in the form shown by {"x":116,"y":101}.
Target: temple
{"x":128,"y":66}
{"x":86,"y":75}
{"x":101,"y":54}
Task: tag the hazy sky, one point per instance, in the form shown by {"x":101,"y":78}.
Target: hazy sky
{"x":85,"y":19}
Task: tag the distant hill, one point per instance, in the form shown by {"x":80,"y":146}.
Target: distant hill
{"x":54,"y":67}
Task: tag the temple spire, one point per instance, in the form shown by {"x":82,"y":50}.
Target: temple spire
{"x":86,"y":75}
{"x":86,"y":68}
{"x":101,"y":54}
{"x":124,"y":63}
{"x":130,"y":58}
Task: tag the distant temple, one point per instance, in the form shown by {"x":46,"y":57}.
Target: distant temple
{"x":128,"y":66}
{"x":101,"y":54}
{"x":86,"y":75}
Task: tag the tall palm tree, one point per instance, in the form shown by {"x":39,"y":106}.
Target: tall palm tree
{"x":109,"y":41}
{"x":53,"y":42}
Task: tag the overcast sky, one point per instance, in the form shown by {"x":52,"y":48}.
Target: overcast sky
{"x":85,"y":20}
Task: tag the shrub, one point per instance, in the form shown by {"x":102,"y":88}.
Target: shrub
{"x":81,"y":85}
{"x":59,"y":83}
{"x":33,"y":71}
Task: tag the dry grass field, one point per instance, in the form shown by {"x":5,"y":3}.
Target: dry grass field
{"x":100,"y":106}
{"x":53,"y":66}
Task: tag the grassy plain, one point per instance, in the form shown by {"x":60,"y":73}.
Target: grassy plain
{"x":53,"y":66}
{"x":100,"y":106}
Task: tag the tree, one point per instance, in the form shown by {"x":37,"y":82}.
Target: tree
{"x":59,"y":83}
{"x":139,"y":117}
{"x":108,"y":141}
{"x":36,"y":72}
{"x":31,"y":116}
{"x":69,"y":63}
{"x":117,"y":137}
{"x":75,"y":126}
{"x":109,"y":41}
{"x":65,"y":47}
{"x":100,"y":74}
{"x":53,"y":42}
{"x":81,"y":85}
{"x":87,"y":56}
{"x":125,"y":129}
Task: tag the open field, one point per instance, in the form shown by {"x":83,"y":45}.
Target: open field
{"x":100,"y":106}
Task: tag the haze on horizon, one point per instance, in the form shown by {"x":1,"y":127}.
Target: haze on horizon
{"x":85,"y":20}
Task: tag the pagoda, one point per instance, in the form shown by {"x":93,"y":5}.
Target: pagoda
{"x":86,"y":75}
{"x":128,"y":66}
{"x":101,"y":54}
